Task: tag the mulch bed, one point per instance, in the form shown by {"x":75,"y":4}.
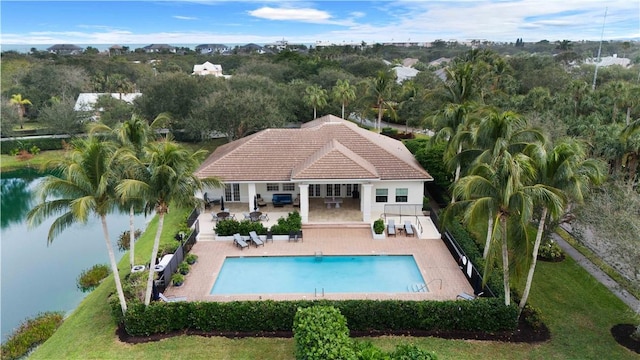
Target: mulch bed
{"x":622,"y":334}
{"x":523,"y":334}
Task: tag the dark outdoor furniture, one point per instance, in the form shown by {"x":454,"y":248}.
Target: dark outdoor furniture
{"x":255,"y":216}
{"x":269,"y":236}
{"x":280,"y":200}
{"x":223,"y":215}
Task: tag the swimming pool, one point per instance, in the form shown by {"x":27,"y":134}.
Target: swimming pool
{"x":308,"y":274}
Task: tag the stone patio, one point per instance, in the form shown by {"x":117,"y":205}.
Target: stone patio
{"x":330,"y":232}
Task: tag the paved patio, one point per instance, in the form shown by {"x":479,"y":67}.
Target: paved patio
{"x":330,"y":232}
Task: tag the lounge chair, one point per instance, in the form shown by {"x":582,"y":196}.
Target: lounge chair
{"x":171,"y":299}
{"x":255,"y":239}
{"x":391,"y":228}
{"x":408,"y":228}
{"x":237,"y":239}
{"x":466,"y":296}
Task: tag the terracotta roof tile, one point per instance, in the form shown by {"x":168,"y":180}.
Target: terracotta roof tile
{"x":328,"y":147}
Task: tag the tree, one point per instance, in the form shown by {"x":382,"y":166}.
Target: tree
{"x":630,"y":139}
{"x":17,"y":100}
{"x":380,"y":88}
{"x":132,"y":136}
{"x":61,"y":117}
{"x":315,"y":97}
{"x":564,"y":175}
{"x":10,"y":116}
{"x":169,"y":180}
{"x":86,"y":187}
{"x":344,"y":93}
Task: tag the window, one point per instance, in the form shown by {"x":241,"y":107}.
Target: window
{"x":382,"y":195}
{"x":329,"y":188}
{"x":402,"y":195}
{"x":314,"y":190}
{"x":232,"y":192}
{"x":351,"y":189}
{"x":336,"y":190}
{"x":289,"y":187}
{"x":273,"y":187}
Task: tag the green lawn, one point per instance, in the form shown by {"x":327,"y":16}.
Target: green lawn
{"x":10,"y":163}
{"x":578,"y":310}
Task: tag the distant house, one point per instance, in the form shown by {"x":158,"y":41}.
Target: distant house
{"x":610,"y":60}
{"x":439,"y":62}
{"x":208,"y":69}
{"x":157,"y":48}
{"x":116,"y":49}
{"x":252,"y":48}
{"x":65,"y":49}
{"x":404,"y":73}
{"x":212,"y":49}
{"x":87,"y":101}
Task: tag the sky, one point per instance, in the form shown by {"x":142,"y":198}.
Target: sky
{"x":306,"y":22}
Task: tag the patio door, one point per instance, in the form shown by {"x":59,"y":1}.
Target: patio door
{"x":314,"y":190}
{"x":232,"y":192}
{"x":333,"y":190}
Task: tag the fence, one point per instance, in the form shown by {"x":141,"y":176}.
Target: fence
{"x":193,"y":217}
{"x":466,"y":265}
{"x":179,"y":255}
{"x":407,"y":210}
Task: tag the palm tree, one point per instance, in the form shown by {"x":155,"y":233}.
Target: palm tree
{"x":169,"y":180}
{"x":380,"y":88}
{"x":316,"y":97}
{"x":86,"y":187}
{"x":344,"y":92}
{"x":631,"y":143}
{"x":563,"y":176}
{"x":132,"y":136}
{"x":17,"y":99}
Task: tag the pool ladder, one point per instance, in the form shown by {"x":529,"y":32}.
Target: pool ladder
{"x":315,"y":290}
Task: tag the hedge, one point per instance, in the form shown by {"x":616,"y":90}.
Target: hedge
{"x":485,"y":314}
{"x":26,"y":144}
{"x":321,"y":333}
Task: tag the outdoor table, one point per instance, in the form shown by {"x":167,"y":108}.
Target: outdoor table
{"x":255,"y":216}
{"x":330,"y":201}
{"x":222,"y":215}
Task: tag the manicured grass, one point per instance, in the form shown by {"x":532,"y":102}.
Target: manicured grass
{"x":10,"y":163}
{"x":578,"y":310}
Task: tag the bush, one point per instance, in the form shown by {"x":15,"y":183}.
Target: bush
{"x":231,"y":226}
{"x":14,"y":146}
{"x":293,"y":222}
{"x":550,"y":251}
{"x":89,"y":279}
{"x":411,"y":352}
{"x":168,"y":248}
{"x":484,"y":314}
{"x":191,"y":259}
{"x":183,"y":268}
{"x":177,"y":279}
{"x":378,"y":226}
{"x":34,"y":150}
{"x":134,"y":287}
{"x":30,"y":334}
{"x":320,"y":332}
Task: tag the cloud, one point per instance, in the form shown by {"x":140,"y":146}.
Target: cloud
{"x":184,"y":17}
{"x":305,"y":15}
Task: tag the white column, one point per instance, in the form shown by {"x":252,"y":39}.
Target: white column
{"x":251,"y":187}
{"x":304,"y":202}
{"x":365,"y":204}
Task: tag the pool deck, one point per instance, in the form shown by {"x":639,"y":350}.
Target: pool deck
{"x":441,"y":273}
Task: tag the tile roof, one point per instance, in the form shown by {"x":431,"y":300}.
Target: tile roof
{"x":322,"y":149}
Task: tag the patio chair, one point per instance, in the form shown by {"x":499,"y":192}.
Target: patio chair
{"x":261,"y":201}
{"x":256,"y":239}
{"x":214,"y":217}
{"x":299,"y":235}
{"x":237,"y":239}
{"x":293,"y":236}
{"x":264,"y":217}
{"x":172,"y":299}
{"x":246,"y":216}
{"x":296,"y":201}
{"x":408,"y":228}
{"x":466,"y":296}
{"x":269,"y":236}
{"x":391,"y":228}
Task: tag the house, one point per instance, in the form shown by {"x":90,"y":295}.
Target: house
{"x":251,"y":48}
{"x":87,"y":101}
{"x":158,"y":48}
{"x":208,"y":69}
{"x":609,"y":60}
{"x":328,"y":158}
{"x":65,"y":49}
{"x":212,"y":48}
{"x":405,"y":73}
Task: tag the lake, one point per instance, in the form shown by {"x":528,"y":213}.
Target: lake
{"x":36,"y":277}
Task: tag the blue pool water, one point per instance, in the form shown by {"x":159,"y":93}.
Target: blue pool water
{"x":307,"y":274}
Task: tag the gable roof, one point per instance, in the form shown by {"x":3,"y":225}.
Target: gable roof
{"x":86,"y":101}
{"x":322,"y":149}
{"x":207,"y":66}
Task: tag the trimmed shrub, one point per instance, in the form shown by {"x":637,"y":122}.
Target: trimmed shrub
{"x":89,"y":279}
{"x":31,"y":333}
{"x":231,"y":226}
{"x":177,"y":279}
{"x":293,"y":222}
{"x":484,"y":314}
{"x":14,"y":146}
{"x":550,"y":251}
{"x":184,"y":268}
{"x":378,"y":226}
{"x":320,"y":332}
{"x":411,"y":352}
{"x":191,"y":259}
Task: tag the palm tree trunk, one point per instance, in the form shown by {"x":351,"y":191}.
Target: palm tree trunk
{"x":487,"y":242}
{"x":628,"y":116}
{"x":379,"y":118}
{"x":314,"y":113}
{"x":534,"y":260}
{"x":154,"y":256}
{"x":132,"y":238}
{"x":505,"y":262}
{"x":457,"y":175}
{"x":343,"y":111}
{"x":114,"y":265}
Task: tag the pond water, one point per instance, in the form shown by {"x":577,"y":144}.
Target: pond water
{"x":36,"y":277}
